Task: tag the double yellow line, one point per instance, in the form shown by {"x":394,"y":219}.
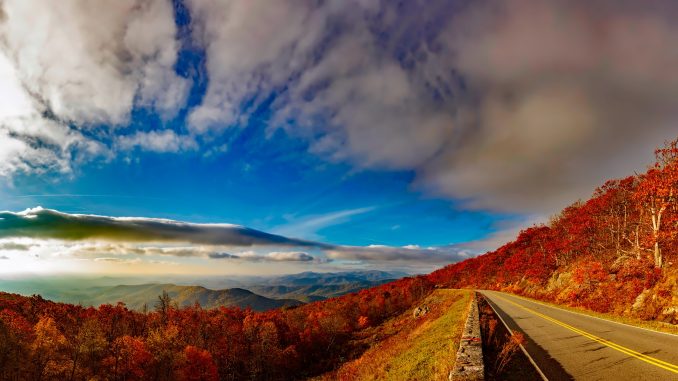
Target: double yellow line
{"x":650,"y":360}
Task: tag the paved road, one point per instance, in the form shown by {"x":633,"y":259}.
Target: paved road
{"x":567,"y":345}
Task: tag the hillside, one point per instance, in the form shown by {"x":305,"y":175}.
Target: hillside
{"x":48,"y":340}
{"x":309,"y":278}
{"x":138,"y":296}
{"x":409,"y":347}
{"x":614,"y":253}
{"x":314,"y":286}
{"x":304,"y":287}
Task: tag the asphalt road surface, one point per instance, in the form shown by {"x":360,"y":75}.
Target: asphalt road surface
{"x":568,"y":345}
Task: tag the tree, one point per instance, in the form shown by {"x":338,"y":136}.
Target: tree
{"x":15,"y":334}
{"x":47,"y":349}
{"x":164,"y":306}
{"x":164,"y":343}
{"x":128,"y":359}
{"x":197,"y":365}
{"x":657,"y":193}
{"x":88,"y":345}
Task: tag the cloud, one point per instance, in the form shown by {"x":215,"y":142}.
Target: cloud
{"x":158,"y":141}
{"x":519,"y":106}
{"x":90,"y":64}
{"x":567,"y":94}
{"x":275,"y":256}
{"x":284,"y":34}
{"x":411,"y":253}
{"x":115,"y":239}
{"x":287,"y":256}
{"x":125,"y":261}
{"x":223,"y":256}
{"x":309,"y":226}
{"x":72,"y":67}
{"x":88,"y":249}
{"x":46,"y":224}
{"x":14,"y":246}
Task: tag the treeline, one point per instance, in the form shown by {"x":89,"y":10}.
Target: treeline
{"x":43,"y":340}
{"x":615,"y":253}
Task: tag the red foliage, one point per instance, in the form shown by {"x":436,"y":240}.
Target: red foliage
{"x":197,"y":365}
{"x":112,"y":342}
{"x":128,"y":358}
{"x":600,"y":254}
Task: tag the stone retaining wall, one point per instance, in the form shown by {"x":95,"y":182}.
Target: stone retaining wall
{"x":469,"y":361}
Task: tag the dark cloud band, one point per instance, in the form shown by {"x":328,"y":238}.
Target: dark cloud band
{"x":47,"y":223}
{"x":40,"y":223}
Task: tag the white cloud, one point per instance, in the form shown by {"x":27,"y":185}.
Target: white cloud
{"x":67,"y":66}
{"x":158,"y":141}
{"x":274,"y":256}
{"x":520,"y":106}
{"x":252,"y":47}
{"x":308,"y":226}
{"x":88,"y":62}
{"x":124,"y":261}
{"x":14,"y":246}
{"x":294,"y":256}
{"x":47,"y":232}
{"x":409,"y":253}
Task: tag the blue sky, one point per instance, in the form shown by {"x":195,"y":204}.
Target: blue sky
{"x":271,"y":184}
{"x":392,"y":135}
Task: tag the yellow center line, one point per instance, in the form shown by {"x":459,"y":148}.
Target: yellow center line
{"x":648,"y":359}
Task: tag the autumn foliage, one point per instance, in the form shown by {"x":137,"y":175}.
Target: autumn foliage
{"x":616,"y":252}
{"x":43,"y":340}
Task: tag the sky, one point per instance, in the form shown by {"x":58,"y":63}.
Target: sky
{"x":266,"y":137}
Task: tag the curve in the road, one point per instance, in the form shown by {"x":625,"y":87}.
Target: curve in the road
{"x":648,"y":359}
{"x":573,"y":352}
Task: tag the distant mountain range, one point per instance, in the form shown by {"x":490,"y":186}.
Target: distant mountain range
{"x":262,"y":293}
{"x":312,"y":286}
{"x":138,"y":296}
{"x":346,"y":277}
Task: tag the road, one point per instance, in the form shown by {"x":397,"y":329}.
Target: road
{"x":568,"y":345}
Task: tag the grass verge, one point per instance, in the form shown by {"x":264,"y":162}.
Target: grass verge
{"x":409,"y":348}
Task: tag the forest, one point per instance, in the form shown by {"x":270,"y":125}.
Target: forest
{"x":615,"y":253}
{"x":43,"y":340}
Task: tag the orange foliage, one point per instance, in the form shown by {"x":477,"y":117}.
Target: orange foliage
{"x":39,"y":337}
{"x":600,"y":254}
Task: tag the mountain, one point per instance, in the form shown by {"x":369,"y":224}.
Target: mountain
{"x":313,"y":292}
{"x":116,"y":342}
{"x":312,"y":286}
{"x":138,"y":296}
{"x":339,"y":278}
{"x":266,"y":292}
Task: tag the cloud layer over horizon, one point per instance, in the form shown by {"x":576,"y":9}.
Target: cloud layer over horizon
{"x":521,"y":106}
{"x":46,"y":223}
{"x":103,"y":238}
